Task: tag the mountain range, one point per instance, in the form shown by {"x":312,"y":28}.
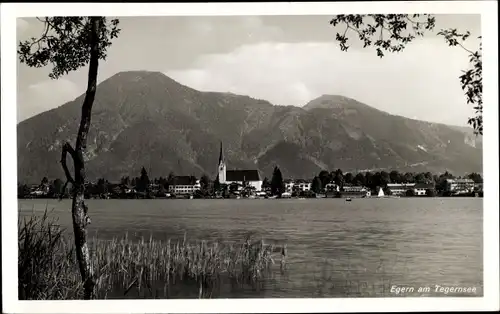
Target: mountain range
{"x":147,"y":119}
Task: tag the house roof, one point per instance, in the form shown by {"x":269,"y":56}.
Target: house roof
{"x":459,"y":180}
{"x":303,"y":181}
{"x":423,"y":186}
{"x":398,"y":186}
{"x":354,"y":188}
{"x":242,"y":175}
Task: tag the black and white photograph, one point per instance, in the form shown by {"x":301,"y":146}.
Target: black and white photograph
{"x":264,"y":157}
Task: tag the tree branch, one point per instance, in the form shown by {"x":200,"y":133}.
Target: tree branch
{"x":346,"y":29}
{"x":43,"y":37}
{"x":463,"y":47}
{"x":416,"y":22}
{"x":65,"y":150}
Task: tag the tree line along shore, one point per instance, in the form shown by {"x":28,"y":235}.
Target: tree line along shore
{"x":325,"y":184}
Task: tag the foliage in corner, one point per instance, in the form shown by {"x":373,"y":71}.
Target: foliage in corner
{"x":64,"y":44}
{"x":472,"y":79}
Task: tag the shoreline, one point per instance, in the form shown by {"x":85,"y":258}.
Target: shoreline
{"x":259,"y":198}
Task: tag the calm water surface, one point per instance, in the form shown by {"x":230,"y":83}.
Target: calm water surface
{"x":335,"y":248}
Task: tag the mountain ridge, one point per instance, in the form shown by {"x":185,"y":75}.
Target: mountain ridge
{"x":180,"y":128}
{"x":466,"y":129}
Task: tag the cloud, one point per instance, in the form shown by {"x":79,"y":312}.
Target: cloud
{"x":44,"y":96}
{"x":420,"y":81}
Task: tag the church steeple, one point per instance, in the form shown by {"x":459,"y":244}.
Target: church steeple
{"x":221,"y":155}
{"x":221,"y":170}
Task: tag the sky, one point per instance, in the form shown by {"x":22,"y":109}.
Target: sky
{"x":287,"y":60}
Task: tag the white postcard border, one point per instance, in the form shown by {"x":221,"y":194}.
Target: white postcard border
{"x":490,"y":301}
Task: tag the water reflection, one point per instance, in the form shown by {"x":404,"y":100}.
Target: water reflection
{"x":336,"y":249}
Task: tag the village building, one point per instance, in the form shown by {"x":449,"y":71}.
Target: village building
{"x":302,"y":185}
{"x":459,"y":186}
{"x":420,"y":189}
{"x":39,"y":190}
{"x":250,"y":178}
{"x":332,"y":187}
{"x":399,"y":189}
{"x":355,"y":191}
{"x":289,"y":184}
{"x":184,"y":185}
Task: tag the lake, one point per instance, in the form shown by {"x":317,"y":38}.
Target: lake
{"x":363,"y":248}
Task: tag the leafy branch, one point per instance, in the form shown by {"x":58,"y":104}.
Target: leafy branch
{"x":64,"y":43}
{"x":389,"y":32}
{"x":472,"y":79}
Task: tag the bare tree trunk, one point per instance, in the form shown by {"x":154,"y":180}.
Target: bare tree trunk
{"x":78,"y":207}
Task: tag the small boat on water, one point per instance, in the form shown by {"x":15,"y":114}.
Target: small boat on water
{"x":381,"y":194}
{"x":348,"y":199}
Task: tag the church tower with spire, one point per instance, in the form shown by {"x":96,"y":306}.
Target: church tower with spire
{"x":222,"y":166}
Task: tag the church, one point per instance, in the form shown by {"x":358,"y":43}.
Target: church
{"x":252,"y":177}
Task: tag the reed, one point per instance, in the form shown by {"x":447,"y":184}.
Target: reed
{"x":46,"y":263}
{"x":125,"y":268}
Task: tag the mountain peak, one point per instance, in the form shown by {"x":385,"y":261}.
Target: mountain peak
{"x":139,"y":75}
{"x":337,"y":102}
{"x":141,"y":83}
{"x":332,"y":102}
{"x":335,"y":98}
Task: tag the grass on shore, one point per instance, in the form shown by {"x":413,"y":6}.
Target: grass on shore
{"x":48,"y":270}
